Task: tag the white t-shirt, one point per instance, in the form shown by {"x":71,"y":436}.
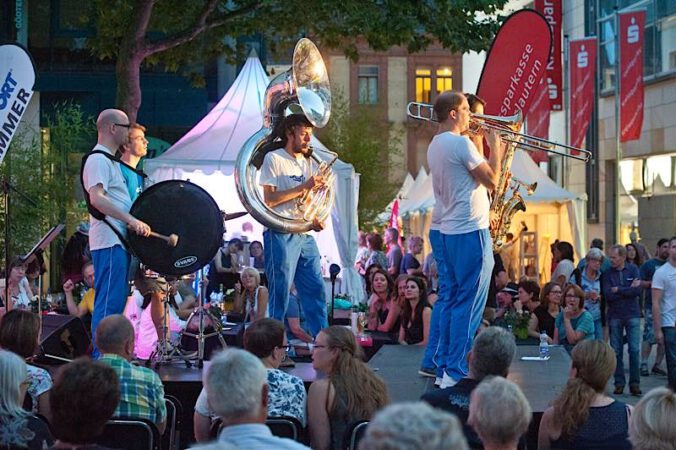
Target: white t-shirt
{"x":461,"y":200}
{"x":99,"y":169}
{"x":285,"y":172}
{"x":665,"y":280}
{"x":565,"y":267}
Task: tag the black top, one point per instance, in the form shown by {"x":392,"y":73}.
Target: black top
{"x":605,"y":428}
{"x":414,"y":332}
{"x":546,"y":322}
{"x":408,"y":262}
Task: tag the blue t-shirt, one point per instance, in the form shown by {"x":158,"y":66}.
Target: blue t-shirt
{"x":133,"y":181}
{"x":646,"y":272}
{"x":583,"y":323}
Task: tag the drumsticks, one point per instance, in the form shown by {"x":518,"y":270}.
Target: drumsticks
{"x":171,"y":240}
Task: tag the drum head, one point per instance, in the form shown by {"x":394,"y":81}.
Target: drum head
{"x":186,"y":210}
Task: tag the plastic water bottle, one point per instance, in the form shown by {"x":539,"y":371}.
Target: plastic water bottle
{"x":544,"y":346}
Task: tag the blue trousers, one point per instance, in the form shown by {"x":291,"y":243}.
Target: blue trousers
{"x":111,"y":268}
{"x":633,"y":329}
{"x":294,"y":258}
{"x":436,"y":242}
{"x":670,"y":353}
{"x":468,"y":261}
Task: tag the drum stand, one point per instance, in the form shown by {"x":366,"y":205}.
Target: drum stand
{"x":201,"y":313}
{"x":161,"y":354}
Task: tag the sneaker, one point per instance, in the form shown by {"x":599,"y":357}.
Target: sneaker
{"x":644,"y":370}
{"x":618,"y":390}
{"x":437,"y":381}
{"x":658,"y":371}
{"x":447,"y":382}
{"x":430,"y":373}
{"x":287,"y":362}
{"x":635,"y":390}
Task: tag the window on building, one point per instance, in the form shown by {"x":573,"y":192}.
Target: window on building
{"x":368,"y":85}
{"x":659,"y":53}
{"x":423,"y":85}
{"x":444,"y":79}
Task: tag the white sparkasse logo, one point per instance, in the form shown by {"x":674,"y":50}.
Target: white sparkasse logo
{"x":582,"y":58}
{"x":632,"y":32}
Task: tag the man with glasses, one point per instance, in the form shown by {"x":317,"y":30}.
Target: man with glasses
{"x":266,"y":339}
{"x":107,"y":197}
{"x":461,"y":241}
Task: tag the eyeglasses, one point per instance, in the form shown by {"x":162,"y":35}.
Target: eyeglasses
{"x":126,"y":125}
{"x":556,"y":292}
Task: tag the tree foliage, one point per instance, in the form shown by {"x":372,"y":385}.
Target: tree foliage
{"x":179,"y":34}
{"x":45,"y":174}
{"x":367,"y":142}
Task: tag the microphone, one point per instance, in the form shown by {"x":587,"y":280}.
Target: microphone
{"x":334,"y":270}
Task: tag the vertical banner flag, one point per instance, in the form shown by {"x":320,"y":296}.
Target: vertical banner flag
{"x":582,"y":77}
{"x":537,"y":122}
{"x":631,"y":74}
{"x":394,"y":217}
{"x":552,"y":10}
{"x":515,"y":63}
{"x":17,"y":76}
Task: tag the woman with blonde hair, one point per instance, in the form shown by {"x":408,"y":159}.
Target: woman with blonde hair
{"x":583,"y":416}
{"x":251,"y":299}
{"x":652,"y":421}
{"x":349,"y":393}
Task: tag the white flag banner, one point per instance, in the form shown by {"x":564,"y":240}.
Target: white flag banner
{"x":17,"y":77}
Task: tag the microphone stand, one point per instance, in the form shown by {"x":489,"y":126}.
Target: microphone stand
{"x":334,"y":270}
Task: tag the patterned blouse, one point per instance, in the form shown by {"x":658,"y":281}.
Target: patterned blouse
{"x":40,"y":382}
{"x":286,"y":397}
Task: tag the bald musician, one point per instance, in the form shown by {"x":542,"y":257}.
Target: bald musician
{"x":103,"y":181}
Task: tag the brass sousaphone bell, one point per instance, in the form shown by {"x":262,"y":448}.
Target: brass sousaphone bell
{"x":304,"y":86}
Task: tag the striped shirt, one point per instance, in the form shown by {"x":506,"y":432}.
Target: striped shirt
{"x":141,"y":391}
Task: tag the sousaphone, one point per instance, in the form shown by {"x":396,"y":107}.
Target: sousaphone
{"x":304,"y":88}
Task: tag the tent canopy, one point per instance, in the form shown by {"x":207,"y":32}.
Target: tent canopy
{"x":206,"y":156}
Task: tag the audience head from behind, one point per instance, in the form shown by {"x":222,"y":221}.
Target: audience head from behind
{"x":115,"y":335}
{"x":83,"y":399}
{"x":652,"y":421}
{"x":499,"y":413}
{"x":492,"y":353}
{"x":236,"y":384}
{"x":20,"y":332}
{"x":563,"y":250}
{"x":266,"y":339}
{"x":413,"y":426}
{"x":13,"y":375}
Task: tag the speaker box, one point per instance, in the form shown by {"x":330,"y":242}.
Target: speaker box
{"x":63,"y":337}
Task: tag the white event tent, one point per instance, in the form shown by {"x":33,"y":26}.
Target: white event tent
{"x":552,"y":211}
{"x":206,"y":156}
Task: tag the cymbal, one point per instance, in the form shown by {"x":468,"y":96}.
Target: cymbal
{"x":231,"y":216}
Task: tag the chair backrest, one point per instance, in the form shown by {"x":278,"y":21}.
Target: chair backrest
{"x":130,"y":433}
{"x":169,"y":436}
{"x":285,"y":427}
{"x":357,"y":432}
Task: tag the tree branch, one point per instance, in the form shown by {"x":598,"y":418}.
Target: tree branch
{"x":201,"y":25}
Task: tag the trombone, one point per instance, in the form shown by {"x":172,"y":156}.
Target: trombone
{"x":509,"y":128}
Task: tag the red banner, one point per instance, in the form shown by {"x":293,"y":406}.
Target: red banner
{"x":582,"y":75}
{"x":515,"y":63}
{"x":552,"y":10}
{"x":631,"y":74}
{"x":538,"y":119}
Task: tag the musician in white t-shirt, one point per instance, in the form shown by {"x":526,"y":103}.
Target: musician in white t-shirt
{"x":286,"y":174}
{"x":461,"y":179}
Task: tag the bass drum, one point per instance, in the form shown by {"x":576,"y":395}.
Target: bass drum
{"x":181,"y":208}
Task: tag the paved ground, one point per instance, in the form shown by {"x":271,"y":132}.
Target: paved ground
{"x":647,"y":383}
